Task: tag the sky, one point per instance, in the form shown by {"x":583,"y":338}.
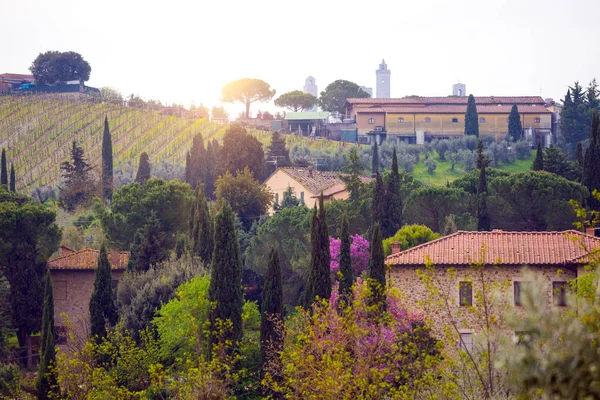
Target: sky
{"x":184,"y":52}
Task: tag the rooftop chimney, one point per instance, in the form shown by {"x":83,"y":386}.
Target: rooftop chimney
{"x":396,"y":247}
{"x":310,"y":171}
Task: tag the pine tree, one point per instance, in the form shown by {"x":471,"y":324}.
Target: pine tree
{"x":47,"y":382}
{"x":226,"y":277}
{"x":151,"y":249}
{"x":107,"y":163}
{"x":143,"y":172}
{"x":375,"y":160}
{"x":483,"y":216}
{"x":103,"y":312}
{"x":346,"y":270}
{"x":3,"y":169}
{"x":212,"y":157}
{"x":196,"y":167}
{"x":538,"y":162}
{"x":278,"y":151}
{"x":78,"y":184}
{"x":579,"y":155}
{"x":393,"y":201}
{"x":591,"y":162}
{"x":378,"y":203}
{"x":202,"y":227}
{"x":319,"y":280}
{"x":515,"y":129}
{"x":471,"y":118}
{"x":352,"y":178}
{"x":13,"y":179}
{"x":377,"y":281}
{"x":271,"y":323}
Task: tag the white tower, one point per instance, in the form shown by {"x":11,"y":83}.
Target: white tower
{"x":383,"y":81}
{"x":310,"y":87}
{"x":459,"y":89}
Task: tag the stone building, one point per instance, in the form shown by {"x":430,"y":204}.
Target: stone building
{"x":383,"y":76}
{"x":73,"y":275}
{"x":552,"y":257}
{"x":310,"y":87}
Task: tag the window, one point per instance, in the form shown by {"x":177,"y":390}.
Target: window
{"x":60,"y":290}
{"x":466,"y":341}
{"x":301,"y":197}
{"x":400,"y":120}
{"x":482,"y":120}
{"x":371,"y":120}
{"x":466,"y":293}
{"x":536,"y":120}
{"x":559,"y":293}
{"x":519,"y":287}
{"x":427,"y":120}
{"x":455,"y":120}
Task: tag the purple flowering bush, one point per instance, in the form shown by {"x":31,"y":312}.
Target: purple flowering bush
{"x":359,"y":253}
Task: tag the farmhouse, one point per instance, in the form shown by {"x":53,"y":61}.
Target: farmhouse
{"x":10,"y":82}
{"x":73,"y":275}
{"x":552,"y":257}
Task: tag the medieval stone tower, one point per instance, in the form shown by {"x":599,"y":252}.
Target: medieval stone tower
{"x":310,"y":87}
{"x":383,"y":81}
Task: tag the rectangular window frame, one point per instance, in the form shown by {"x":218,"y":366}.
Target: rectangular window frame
{"x":371,"y":121}
{"x":465,"y":293}
{"x":559,"y":293}
{"x":61,"y":290}
{"x":465,"y":340}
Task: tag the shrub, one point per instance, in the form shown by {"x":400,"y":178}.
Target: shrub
{"x":409,"y":236}
{"x":430,"y":164}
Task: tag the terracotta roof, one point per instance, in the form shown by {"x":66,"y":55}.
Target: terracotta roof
{"x":453,"y":109}
{"x":320,"y":181}
{"x":88,"y":259}
{"x":16,"y":76}
{"x":510,"y":100}
{"x":501,"y":248}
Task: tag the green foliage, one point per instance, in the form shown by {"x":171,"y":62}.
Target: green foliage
{"x":247,"y":91}
{"x":378,"y":205}
{"x":576,"y":114}
{"x":107,"y":162}
{"x":591,"y":163}
{"x":47,"y":382}
{"x":143,"y":172}
{"x":470,"y":181}
{"x":277,"y":151}
{"x":483,"y":216}
{"x":3,"y":169}
{"x":241,"y":150}
{"x":201,"y":227}
{"x":374,"y":160}
{"x":556,"y":162}
{"x":271,"y":334}
{"x":149,"y":247}
{"x":431,"y":205}
{"x":13,"y":179}
{"x":133,"y":204}
{"x":515,"y":129}
{"x":10,"y":381}
{"x":103,"y":312}
{"x":318,"y":285}
{"x":77,"y":181}
{"x":55,"y":67}
{"x":409,"y":236}
{"x":296,"y":101}
{"x":333,"y":98}
{"x":290,"y":199}
{"x":393,"y":200}
{"x":471,"y":118}
{"x":376,"y":281}
{"x":196,"y":168}
{"x":226,"y":277}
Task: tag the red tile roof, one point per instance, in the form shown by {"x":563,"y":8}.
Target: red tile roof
{"x":501,"y":248}
{"x":458,"y":100}
{"x":320,"y":181}
{"x":87,"y":259}
{"x":16,"y":76}
{"x":453,"y":109}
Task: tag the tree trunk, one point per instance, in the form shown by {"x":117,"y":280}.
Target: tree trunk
{"x":29,"y":351}
{"x":247,"y":109}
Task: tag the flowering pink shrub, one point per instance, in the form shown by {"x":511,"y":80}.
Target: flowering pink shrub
{"x":359,"y":253}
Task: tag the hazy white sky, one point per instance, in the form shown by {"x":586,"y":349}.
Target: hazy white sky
{"x":185,"y":51}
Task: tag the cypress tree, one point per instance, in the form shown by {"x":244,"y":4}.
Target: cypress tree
{"x":471,"y":118}
{"x":143,"y":172}
{"x":483,"y":216}
{"x":47,"y":383}
{"x":319,"y":281}
{"x":393,"y":201}
{"x":107,"y":163}
{"x":103,"y":312}
{"x":515,"y":129}
{"x":378,"y":203}
{"x":579,"y":155}
{"x":202,"y":226}
{"x":346,"y":270}
{"x":151,"y":249}
{"x":376,"y":281}
{"x":591,"y":162}
{"x":271,"y":322}
{"x":375,"y":160}
{"x":195,"y":167}
{"x":3,"y":169}
{"x":13,"y":179}
{"x":309,"y":293}
{"x":277,"y":149}
{"x":225,"y":289}
{"x":538,"y":162}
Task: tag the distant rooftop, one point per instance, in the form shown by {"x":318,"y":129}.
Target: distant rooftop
{"x":298,"y":116}
{"x":87,"y":259}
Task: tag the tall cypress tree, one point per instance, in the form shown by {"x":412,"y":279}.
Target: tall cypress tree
{"x":471,"y":118}
{"x":202,"y":227}
{"x":3,"y":169}
{"x":143,"y":172}
{"x":149,"y":249}
{"x":378,"y":203}
{"x":319,"y":281}
{"x":346,"y":270}
{"x":591,"y":162}
{"x":515,"y":129}
{"x":579,"y":155}
{"x":107,"y":163}
{"x":271,"y":322}
{"x":196,"y":167}
{"x":538,"y":162}
{"x":103,"y":312}
{"x":376,"y":281}
{"x":375,"y":159}
{"x":309,"y":292}
{"x":483,"y":216}
{"x":47,"y":382}
{"x":226,"y":277}
{"x":393,"y":201}
{"x":277,"y":150}
{"x":13,"y":179}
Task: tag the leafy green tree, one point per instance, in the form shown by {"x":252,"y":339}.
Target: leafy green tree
{"x":202,"y":227}
{"x":591,"y":162}
{"x":143,"y":172}
{"x":13,"y":179}
{"x":78,"y":184}
{"x":289,"y":198}
{"x":47,"y":382}
{"x":483,"y":216}
{"x":376,"y":280}
{"x":515,"y":129}
{"x":319,"y":279}
{"x":271,"y":323}
{"x":296,"y":101}
{"x":55,"y":66}
{"x":353,"y":170}
{"x":378,"y":205}
{"x":226,"y":276}
{"x":195,"y":166}
{"x":111,"y":95}
{"x":333,"y":98}
{"x":103,"y":312}
{"x":219,"y":112}
{"x":277,"y":151}
{"x":346,"y":274}
{"x":28,"y":236}
{"x":393,"y":201}
{"x":431,"y":205}
{"x":151,"y":249}
{"x":409,"y":236}
{"x":469,"y":182}
{"x":241,"y":150}
{"x":248,"y":198}
{"x":107,"y":162}
{"x":247,"y":91}
{"x":556,"y":162}
{"x":471,"y":118}
{"x":3,"y":169}
{"x":374,"y":160}
{"x":538,"y":161}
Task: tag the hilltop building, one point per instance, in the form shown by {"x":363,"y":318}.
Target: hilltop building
{"x":459,"y":89}
{"x":14,"y":81}
{"x":310,"y":87}
{"x":382,"y":76}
